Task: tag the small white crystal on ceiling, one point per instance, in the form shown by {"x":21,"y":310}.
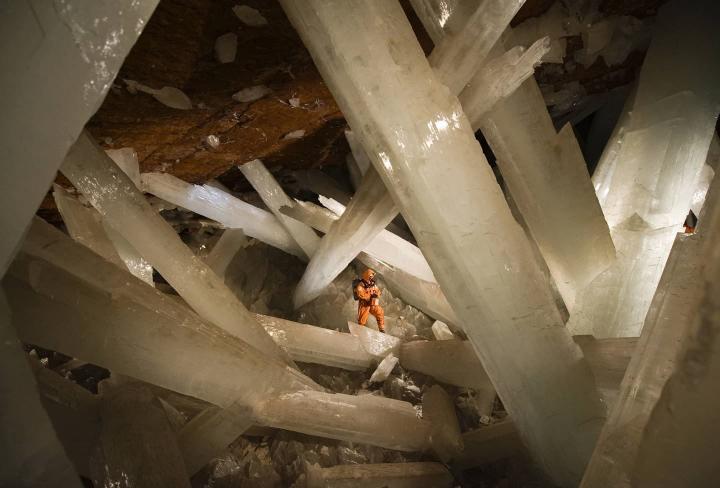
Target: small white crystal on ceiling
{"x":247,"y":95}
{"x":296,"y":134}
{"x":213,"y":141}
{"x":226,"y":47}
{"x":249,"y":16}
{"x":294,"y":102}
{"x":167,"y":95}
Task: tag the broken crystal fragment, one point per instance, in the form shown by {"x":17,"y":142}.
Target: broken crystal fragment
{"x":218,"y":205}
{"x":431,"y":163}
{"x":397,"y":475}
{"x":274,"y":197}
{"x":226,"y":47}
{"x":251,"y":94}
{"x":384,"y":369}
{"x":249,"y":16}
{"x":441,"y":331}
{"x":126,"y":210}
{"x":377,"y":344}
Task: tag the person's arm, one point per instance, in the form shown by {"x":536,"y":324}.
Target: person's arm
{"x":362,"y":292}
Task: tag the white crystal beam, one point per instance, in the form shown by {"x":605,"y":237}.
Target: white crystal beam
{"x":458,"y":56}
{"x":366,"y":419}
{"x":429,"y":159}
{"x":218,"y":205}
{"x":650,"y":167}
{"x":126,"y":210}
{"x":395,"y":475}
{"x":274,"y":197}
{"x":79,"y":45}
{"x":370,"y":210}
{"x":225,"y":249}
{"x":66,"y":298}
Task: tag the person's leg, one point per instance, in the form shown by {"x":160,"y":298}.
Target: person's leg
{"x":379,"y":315}
{"x":363,"y":314}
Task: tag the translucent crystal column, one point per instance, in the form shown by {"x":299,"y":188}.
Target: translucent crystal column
{"x":274,"y":197}
{"x":32,"y":455}
{"x":225,"y":249}
{"x":126,"y":210}
{"x":675,"y":306}
{"x":425,"y":151}
{"x":77,"y":44}
{"x":545,"y":171}
{"x":369,"y":212}
{"x":650,"y":169}
{"x":679,"y":443}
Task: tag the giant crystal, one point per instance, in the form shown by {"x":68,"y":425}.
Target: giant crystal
{"x":126,"y":210}
{"x":678,"y":445}
{"x":650,"y":167}
{"x":430,"y":161}
{"x":676,"y":304}
{"x":80,"y":46}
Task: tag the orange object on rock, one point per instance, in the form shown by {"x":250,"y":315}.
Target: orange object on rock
{"x":368,"y":302}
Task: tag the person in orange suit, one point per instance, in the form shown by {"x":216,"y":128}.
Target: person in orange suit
{"x":368,"y":295}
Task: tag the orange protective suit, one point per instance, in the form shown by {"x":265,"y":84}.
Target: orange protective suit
{"x":368,"y":303}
